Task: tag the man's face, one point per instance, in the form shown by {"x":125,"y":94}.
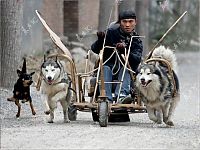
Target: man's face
{"x":127,"y":25}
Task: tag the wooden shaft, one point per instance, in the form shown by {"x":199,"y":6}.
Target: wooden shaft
{"x":151,"y":51}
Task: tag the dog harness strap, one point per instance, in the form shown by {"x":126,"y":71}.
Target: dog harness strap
{"x":170,"y":71}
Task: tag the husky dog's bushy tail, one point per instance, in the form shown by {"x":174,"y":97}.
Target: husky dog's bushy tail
{"x":167,"y":54}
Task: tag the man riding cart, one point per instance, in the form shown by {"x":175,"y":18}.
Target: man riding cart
{"x":122,"y":52}
{"x":119,"y":36}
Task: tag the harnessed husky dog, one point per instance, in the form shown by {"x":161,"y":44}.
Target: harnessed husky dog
{"x":55,"y":86}
{"x":158,"y":85}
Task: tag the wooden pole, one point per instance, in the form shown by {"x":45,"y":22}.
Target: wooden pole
{"x":150,"y":53}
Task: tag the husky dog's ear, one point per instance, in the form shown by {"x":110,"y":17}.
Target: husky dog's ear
{"x":139,"y":68}
{"x":157,"y":72}
{"x":19,"y":72}
{"x":141,"y":65}
{"x":156,"y":69}
{"x":32,"y":73}
{"x":24,"y":66}
{"x":137,"y":71}
{"x":44,"y":58}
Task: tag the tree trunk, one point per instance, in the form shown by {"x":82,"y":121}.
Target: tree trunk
{"x":11,"y":23}
{"x":126,"y":5}
{"x":32,"y":28}
{"x":142,"y":27}
{"x":0,"y":43}
{"x":104,"y":13}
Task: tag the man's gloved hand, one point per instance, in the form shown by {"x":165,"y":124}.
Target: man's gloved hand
{"x":121,"y":47}
{"x":100,"y":35}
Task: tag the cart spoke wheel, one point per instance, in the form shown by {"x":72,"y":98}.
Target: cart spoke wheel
{"x":103,"y":113}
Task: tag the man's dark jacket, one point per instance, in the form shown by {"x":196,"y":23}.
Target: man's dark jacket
{"x":116,"y":35}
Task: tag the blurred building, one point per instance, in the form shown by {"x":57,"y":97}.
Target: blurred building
{"x":74,"y":19}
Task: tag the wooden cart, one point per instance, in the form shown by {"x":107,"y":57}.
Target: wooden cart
{"x":102,"y":111}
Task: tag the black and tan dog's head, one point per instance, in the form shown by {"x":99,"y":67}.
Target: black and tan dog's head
{"x":24,"y":77}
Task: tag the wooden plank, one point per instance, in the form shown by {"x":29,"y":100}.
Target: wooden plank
{"x":113,"y":106}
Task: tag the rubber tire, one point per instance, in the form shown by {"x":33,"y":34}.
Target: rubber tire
{"x":72,"y":112}
{"x":103,"y":113}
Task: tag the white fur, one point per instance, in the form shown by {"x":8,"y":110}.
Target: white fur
{"x":151,"y":93}
{"x":167,"y":54}
{"x":55,"y":92}
{"x":51,"y":71}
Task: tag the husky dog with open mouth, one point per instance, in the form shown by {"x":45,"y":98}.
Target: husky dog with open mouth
{"x":55,"y":86}
{"x":158,"y":85}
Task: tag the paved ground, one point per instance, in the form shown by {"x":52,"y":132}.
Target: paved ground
{"x":34,"y":133}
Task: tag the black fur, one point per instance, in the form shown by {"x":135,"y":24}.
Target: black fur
{"x":22,"y":89}
{"x":176,"y":81}
{"x":22,"y":86}
{"x":50,"y":61}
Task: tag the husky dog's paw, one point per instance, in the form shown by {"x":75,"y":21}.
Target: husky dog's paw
{"x":66,"y":121}
{"x":170,"y":123}
{"x":154,"y":119}
{"x":47,"y":112}
{"x":159,"y":121}
{"x":50,"y":121}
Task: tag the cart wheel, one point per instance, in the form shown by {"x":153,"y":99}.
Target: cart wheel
{"x":72,"y":112}
{"x":103,"y":113}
